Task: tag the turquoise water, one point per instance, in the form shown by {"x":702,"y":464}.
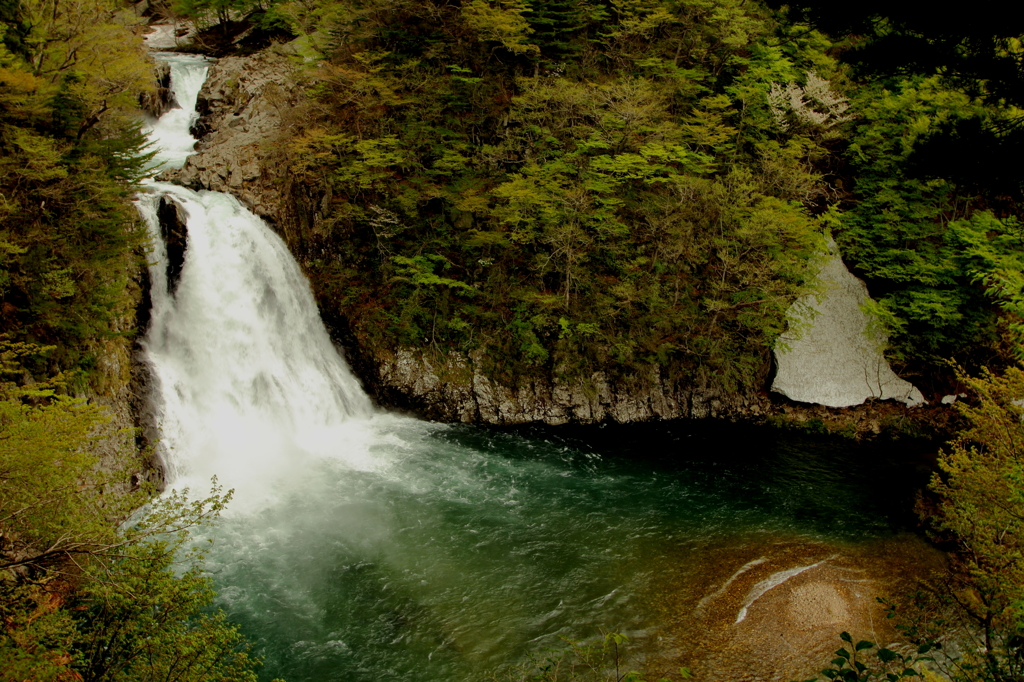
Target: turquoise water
{"x":470,"y":548}
{"x":367,"y":546}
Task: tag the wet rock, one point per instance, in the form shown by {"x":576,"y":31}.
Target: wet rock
{"x":159,"y":101}
{"x":456,"y":387}
{"x":240,"y":108}
{"x":174,"y":230}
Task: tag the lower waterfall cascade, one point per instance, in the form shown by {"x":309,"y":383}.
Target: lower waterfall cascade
{"x":245,"y":369}
{"x":367,"y":545}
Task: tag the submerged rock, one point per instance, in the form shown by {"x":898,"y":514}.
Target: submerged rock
{"x":771,"y":608}
{"x":834,"y":357}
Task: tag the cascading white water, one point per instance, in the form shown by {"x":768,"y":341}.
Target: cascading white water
{"x":248,"y":378}
{"x":248,"y":381}
{"x":170,"y":134}
{"x":362,"y":545}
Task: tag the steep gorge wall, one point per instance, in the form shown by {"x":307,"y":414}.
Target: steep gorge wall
{"x":246,"y":107}
{"x":455,"y":388}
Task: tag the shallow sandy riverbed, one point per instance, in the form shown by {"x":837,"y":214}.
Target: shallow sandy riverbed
{"x":773,"y":608}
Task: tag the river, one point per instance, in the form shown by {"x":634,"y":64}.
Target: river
{"x":367,"y":545}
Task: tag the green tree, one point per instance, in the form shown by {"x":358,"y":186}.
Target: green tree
{"x":937,"y":136}
{"x":976,"y":51}
{"x":57,"y":502}
{"x":556,"y":25}
{"x":89,"y":50}
{"x":140,"y":617}
{"x":925,"y":246}
{"x":980,"y":496}
{"x":220,"y":12}
{"x":71,"y":153}
{"x":502,"y":23}
{"x":86,"y":589}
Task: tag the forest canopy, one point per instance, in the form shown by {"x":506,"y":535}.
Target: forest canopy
{"x":559,"y":187}
{"x":580,"y":186}
{"x":568,"y":187}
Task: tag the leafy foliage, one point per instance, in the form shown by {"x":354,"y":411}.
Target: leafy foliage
{"x":934,"y":149}
{"x":976,"y":51}
{"x":980,"y":494}
{"x":865,"y":661}
{"x":127,"y":615}
{"x":609,"y":168}
{"x":70,"y":153}
{"x":83,"y":594}
{"x":919,"y":242}
{"x":141,"y":618}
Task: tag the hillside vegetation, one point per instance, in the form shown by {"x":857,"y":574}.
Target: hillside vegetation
{"x":563,"y":186}
{"x":573,"y":186}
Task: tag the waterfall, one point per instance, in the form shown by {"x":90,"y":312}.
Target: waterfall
{"x":170,"y":134}
{"x":364,"y":545}
{"x":248,"y":383}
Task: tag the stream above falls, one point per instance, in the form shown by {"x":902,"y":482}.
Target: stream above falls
{"x":366,"y":545}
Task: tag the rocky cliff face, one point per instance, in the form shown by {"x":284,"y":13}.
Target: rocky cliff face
{"x":454,"y":388}
{"x":241,"y":108}
{"x":119,"y":386}
{"x":245,"y":108}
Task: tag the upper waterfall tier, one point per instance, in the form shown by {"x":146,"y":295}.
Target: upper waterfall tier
{"x":170,"y":134}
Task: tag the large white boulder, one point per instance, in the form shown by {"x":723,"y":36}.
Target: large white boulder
{"x":833,"y":356}
{"x":169,"y":36}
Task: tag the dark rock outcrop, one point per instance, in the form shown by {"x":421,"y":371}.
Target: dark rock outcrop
{"x":455,"y":388}
{"x":160,"y":100}
{"x":174,"y":230}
